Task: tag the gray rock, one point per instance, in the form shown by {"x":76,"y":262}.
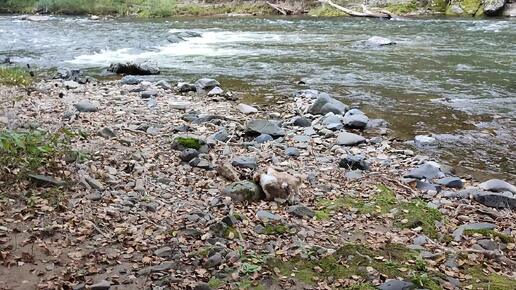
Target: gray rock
{"x":497,"y":185}
{"x":326,"y":104}
{"x":243,"y":191}
{"x":422,"y":141}
{"x":230,"y":220}
{"x":214,"y":261}
{"x":107,"y":133}
{"x":131,"y":80}
{"x":302,"y":122}
{"x":45,"y":180}
{"x":216,"y":91}
{"x":266,"y":216}
{"x":420,"y":240}
{"x":245,"y":162}
{"x":132,"y":68}
{"x":428,"y":171}
{"x":246,"y":109}
{"x":456,"y":9}
{"x":377,"y":123}
{"x":163,"y":252}
{"x":163,"y":84}
{"x":451,"y":182}
{"x":451,"y":262}
{"x":202,"y":286}
{"x":263,"y":138}
{"x":165,"y":266}
{"x":259,"y":126}
{"x":292,"y":151}
{"x":206,"y":84}
{"x":201,"y":163}
{"x":488,"y":244}
{"x":221,"y":136}
{"x":396,"y":285}
{"x":426,"y":186}
{"x":95,"y":196}
{"x":81,"y":286}
{"x":301,"y":211}
{"x":457,"y":234}
{"x":86,"y":106}
{"x":186,"y":87}
{"x":349,"y":139}
{"x":148,"y":94}
{"x":496,"y":200}
{"x":354,"y":162}
{"x":71,"y":85}
{"x":102,"y":285}
{"x":353,"y":174}
{"x":493,"y":7}
{"x":357,"y":121}
{"x":379,"y":41}
{"x":95,"y":184}
{"x":331,"y":118}
{"x":188,"y":154}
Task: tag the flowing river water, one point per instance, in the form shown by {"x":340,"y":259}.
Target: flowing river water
{"x":454,"y":78}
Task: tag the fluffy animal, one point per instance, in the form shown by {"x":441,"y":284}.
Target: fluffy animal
{"x":278,"y":185}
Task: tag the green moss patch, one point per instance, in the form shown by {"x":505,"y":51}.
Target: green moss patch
{"x":275,"y":229}
{"x":325,"y":11}
{"x":481,"y":280}
{"x":351,"y":260}
{"x":490,"y":234}
{"x":416,"y":213}
{"x":403,"y":8}
{"x":189,"y":142}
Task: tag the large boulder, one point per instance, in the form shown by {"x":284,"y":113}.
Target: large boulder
{"x":135,"y":68}
{"x":493,"y":7}
{"x":355,"y":119}
{"x":510,"y":10}
{"x":326,"y":104}
{"x":259,"y":126}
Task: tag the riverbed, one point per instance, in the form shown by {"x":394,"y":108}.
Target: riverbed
{"x":454,"y":78}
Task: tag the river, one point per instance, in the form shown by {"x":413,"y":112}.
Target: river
{"x":454,"y":78}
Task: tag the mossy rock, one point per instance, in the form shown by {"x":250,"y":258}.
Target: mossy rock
{"x":481,"y":280}
{"x":403,"y":8}
{"x":182,"y":143}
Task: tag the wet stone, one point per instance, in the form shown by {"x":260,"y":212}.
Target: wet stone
{"x":427,"y":171}
{"x":302,"y":122}
{"x":451,"y":182}
{"x":496,"y":200}
{"x":292,"y":152}
{"x":102,"y":285}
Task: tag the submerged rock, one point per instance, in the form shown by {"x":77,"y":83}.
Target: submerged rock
{"x":326,"y":104}
{"x":379,"y":41}
{"x":497,"y":185}
{"x":134,"y":68}
{"x":265,"y":127}
{"x":349,"y":139}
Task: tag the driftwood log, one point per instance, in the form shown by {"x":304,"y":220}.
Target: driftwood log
{"x":366,"y":12}
{"x":279,"y":8}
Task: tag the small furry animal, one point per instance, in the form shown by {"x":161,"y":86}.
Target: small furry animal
{"x":276,"y":184}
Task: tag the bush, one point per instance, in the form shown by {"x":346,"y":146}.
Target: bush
{"x":22,"y":153}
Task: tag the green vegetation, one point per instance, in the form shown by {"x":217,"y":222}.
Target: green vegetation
{"x":491,"y":234}
{"x":12,"y":76}
{"x":392,"y":260}
{"x":403,"y":8}
{"x":469,"y":7}
{"x":410,"y":214}
{"x":189,"y":142}
{"x":275,"y":229}
{"x":215,"y":283}
{"x":142,"y":8}
{"x":481,"y":280}
{"x":325,"y":11}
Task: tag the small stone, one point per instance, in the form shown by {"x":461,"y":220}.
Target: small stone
{"x":148,"y":94}
{"x":355,"y":121}
{"x":230,"y":220}
{"x":71,"y":85}
{"x":94,"y":183}
{"x":349,"y":139}
{"x":102,"y":285}
{"x":265,"y":127}
{"x":396,"y":285}
{"x":354,"y":162}
{"x":292,"y":152}
{"x":451,"y":182}
{"x":107,"y":133}
{"x":163,"y":252}
{"x":186,"y":87}
{"x":45,"y":180}
{"x":301,"y":211}
{"x":245,"y":162}
{"x":86,"y":106}
{"x":263,"y":138}
{"x":267,"y":216}
{"x":139,"y":185}
{"x":496,"y":200}
{"x":188,"y":154}
{"x":216,"y":91}
{"x":426,"y":186}
{"x":420,"y":240}
{"x":326,"y":104}
{"x":227,"y":171}
{"x":207,"y":84}
{"x":163,"y":84}
{"x":302,"y":122}
{"x":422,"y":141}
{"x":131,"y":80}
{"x":213,"y":261}
{"x":246,"y":109}
{"x":95,"y":196}
{"x":428,"y":171}
{"x":81,"y":286}
{"x":354,"y":174}
{"x":488,"y":244}
{"x":221,"y":136}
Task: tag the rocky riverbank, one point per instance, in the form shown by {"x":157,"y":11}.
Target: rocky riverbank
{"x":164,"y":185}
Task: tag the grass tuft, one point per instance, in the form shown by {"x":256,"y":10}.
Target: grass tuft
{"x":12,"y":76}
